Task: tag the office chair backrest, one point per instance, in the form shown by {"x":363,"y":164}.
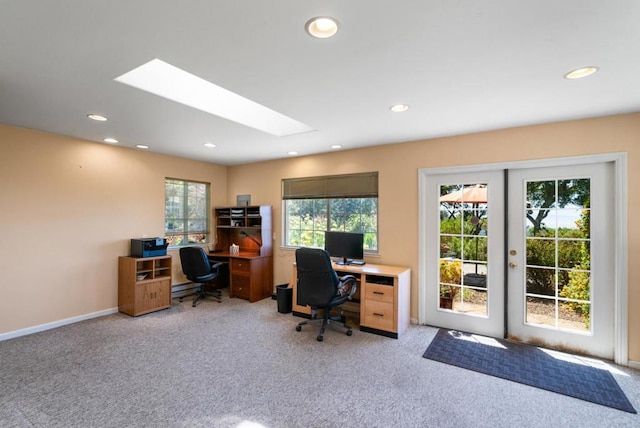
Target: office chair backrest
{"x":317,"y":281}
{"x":194,"y":262}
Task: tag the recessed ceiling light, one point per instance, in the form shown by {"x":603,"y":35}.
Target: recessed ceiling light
{"x":292,"y":153}
{"x":142,"y":146}
{"x":322,"y":27}
{"x":399,"y":108}
{"x":110,"y":140}
{"x":168,"y":81}
{"x":336,"y":146}
{"x":97,"y":117}
{"x":209,"y":145}
{"x":581,"y":72}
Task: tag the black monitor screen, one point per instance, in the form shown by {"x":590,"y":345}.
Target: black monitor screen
{"x":346,"y":245}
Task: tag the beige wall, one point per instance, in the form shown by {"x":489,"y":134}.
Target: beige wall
{"x":68,"y":210}
{"x":398,"y":166}
{"x":69,"y":207}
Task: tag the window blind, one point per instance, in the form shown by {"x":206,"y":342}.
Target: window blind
{"x":363,"y":185}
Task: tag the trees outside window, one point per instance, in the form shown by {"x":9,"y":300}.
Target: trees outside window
{"x":308,"y":219}
{"x":186,"y":212}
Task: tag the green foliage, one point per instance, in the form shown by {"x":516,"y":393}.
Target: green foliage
{"x":579,"y":288}
{"x":474,"y":247}
{"x":579,"y":285}
{"x":308,"y":219}
{"x":450,"y":273}
{"x":542,"y":252}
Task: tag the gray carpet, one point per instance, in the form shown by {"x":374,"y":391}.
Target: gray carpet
{"x":237,"y":364}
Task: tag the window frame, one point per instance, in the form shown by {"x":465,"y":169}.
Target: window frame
{"x":184,"y":215}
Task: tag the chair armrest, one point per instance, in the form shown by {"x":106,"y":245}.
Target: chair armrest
{"x":348,"y":286}
{"x":215,"y":267}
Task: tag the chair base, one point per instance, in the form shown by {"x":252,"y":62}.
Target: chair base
{"x":201,"y":294}
{"x":326,"y":321}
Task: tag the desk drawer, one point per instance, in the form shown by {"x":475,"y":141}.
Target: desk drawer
{"x":378,"y":315}
{"x":240,"y":265}
{"x":380,"y":293}
{"x":240,"y":286}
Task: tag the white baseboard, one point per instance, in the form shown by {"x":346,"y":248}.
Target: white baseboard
{"x":55,"y":324}
{"x":634,"y":364}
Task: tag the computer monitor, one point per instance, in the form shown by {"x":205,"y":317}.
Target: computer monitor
{"x":345,"y":245}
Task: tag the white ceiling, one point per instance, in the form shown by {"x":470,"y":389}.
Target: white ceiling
{"x":461,"y":65}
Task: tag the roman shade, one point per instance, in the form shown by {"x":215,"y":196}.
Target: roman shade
{"x":363,"y":185}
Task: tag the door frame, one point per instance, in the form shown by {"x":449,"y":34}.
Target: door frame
{"x":619,"y":160}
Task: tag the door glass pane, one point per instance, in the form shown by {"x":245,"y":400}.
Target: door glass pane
{"x":541,"y":252}
{"x":450,"y":272}
{"x":571,"y":253}
{"x":541,"y":223}
{"x":571,"y":222}
{"x":450,"y":246}
{"x":541,"y":282}
{"x":574,"y":192}
{"x":475,"y":248}
{"x":450,"y":219}
{"x":541,"y":311}
{"x":558,"y":250}
{"x":541,"y":194}
{"x":463,"y":248}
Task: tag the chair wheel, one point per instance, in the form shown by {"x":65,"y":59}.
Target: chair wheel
{"x":298,"y":328}
{"x":349,"y":332}
{"x":319,"y":338}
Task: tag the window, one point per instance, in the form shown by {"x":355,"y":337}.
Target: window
{"x":186,"y":212}
{"x":347,"y":203}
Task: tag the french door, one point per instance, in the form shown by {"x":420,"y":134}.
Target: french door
{"x":531,"y":257}
{"x":561,"y":257}
{"x":465,"y":252}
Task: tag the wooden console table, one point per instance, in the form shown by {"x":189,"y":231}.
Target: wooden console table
{"x":384,"y":297}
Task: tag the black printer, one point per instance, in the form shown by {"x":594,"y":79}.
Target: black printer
{"x":148,"y":247}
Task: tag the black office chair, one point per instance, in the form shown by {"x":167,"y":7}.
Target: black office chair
{"x":198,"y":269}
{"x":320,"y":287}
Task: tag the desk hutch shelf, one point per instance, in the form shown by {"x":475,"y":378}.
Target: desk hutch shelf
{"x":251,"y":270}
{"x":144,"y":284}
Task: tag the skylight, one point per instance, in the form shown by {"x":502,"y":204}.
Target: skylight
{"x":168,"y":81}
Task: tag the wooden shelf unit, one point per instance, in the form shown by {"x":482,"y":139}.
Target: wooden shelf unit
{"x":151,"y":293}
{"x":250,"y":271}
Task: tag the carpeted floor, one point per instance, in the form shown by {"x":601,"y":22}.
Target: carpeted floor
{"x":551,"y":370}
{"x":240,"y":364}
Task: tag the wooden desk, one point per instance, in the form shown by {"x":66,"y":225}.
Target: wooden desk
{"x":384,"y":297}
{"x":250,"y":274}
